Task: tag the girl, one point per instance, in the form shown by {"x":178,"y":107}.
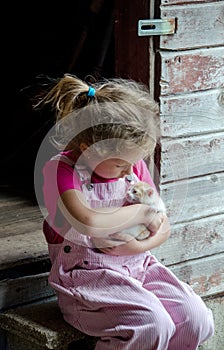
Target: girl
{"x":108,"y":284}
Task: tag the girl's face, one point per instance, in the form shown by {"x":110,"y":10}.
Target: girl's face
{"x":113,"y":168}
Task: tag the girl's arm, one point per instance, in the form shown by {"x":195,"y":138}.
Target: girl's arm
{"x":137,"y":247}
{"x":105,"y":221}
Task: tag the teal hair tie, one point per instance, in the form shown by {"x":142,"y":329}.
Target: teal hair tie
{"x":91,"y":92}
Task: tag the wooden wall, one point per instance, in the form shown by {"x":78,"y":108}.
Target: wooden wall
{"x":192,"y":144}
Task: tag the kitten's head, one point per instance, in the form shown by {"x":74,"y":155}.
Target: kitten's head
{"x":139,"y":192}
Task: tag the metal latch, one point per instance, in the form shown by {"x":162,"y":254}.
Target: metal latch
{"x":165,"y":26}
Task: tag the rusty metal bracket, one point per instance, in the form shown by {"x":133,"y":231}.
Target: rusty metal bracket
{"x":148,"y":27}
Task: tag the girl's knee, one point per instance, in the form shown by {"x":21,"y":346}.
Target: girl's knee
{"x":198,"y":319}
{"x":156,"y":323}
{"x":204,"y":322}
{"x":161,"y":328}
{"x":151,"y":331}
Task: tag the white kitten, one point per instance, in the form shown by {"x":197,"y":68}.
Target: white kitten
{"x":142,"y":192}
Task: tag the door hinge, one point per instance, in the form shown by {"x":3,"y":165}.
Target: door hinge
{"x":165,"y":26}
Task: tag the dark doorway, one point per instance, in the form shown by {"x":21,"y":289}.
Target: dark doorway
{"x":88,"y":38}
{"x":67,"y":37}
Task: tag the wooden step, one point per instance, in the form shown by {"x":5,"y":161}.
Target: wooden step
{"x":24,"y":263}
{"x":29,"y":315}
{"x":39,"y":327}
{"x":21,"y":237}
{"x":24,"y":284}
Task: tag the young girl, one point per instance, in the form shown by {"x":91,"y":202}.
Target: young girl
{"x":108,"y":284}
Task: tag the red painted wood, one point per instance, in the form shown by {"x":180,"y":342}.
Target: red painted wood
{"x":131,"y":51}
{"x":192,"y":70}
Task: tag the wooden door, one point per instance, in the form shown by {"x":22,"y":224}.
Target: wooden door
{"x":132,"y":57}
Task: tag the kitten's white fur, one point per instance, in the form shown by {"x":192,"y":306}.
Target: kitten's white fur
{"x":142,"y":192}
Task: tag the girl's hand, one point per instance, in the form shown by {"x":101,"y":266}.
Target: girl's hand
{"x":111,"y":241}
{"x":132,"y":246}
{"x":155,"y":220}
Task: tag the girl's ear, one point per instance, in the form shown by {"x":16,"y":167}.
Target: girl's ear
{"x":83,"y":147}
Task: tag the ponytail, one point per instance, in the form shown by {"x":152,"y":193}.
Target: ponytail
{"x":67,"y":95}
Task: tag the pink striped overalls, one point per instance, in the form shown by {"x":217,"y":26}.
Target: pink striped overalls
{"x":130,"y":302}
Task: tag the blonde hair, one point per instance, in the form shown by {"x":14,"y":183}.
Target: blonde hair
{"x":120,"y":110}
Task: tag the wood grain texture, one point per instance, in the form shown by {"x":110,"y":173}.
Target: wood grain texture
{"x":198,"y":25}
{"x":21,"y":234}
{"x":14,"y":292}
{"x":191,"y":199}
{"x":190,"y":164}
{"x":192,"y":113}
{"x":131,"y":51}
{"x":191,"y":156}
{"x":185,"y":2}
{"x":216,"y":304}
{"x":192,"y":240}
{"x":205,"y":276}
{"x":193,"y":70}
{"x":27,"y":246}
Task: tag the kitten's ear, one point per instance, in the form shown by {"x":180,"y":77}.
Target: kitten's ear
{"x":150,"y":191}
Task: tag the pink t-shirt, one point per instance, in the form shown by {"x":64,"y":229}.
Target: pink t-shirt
{"x":60,"y":177}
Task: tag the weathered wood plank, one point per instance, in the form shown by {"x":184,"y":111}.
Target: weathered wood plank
{"x":184,"y":2}
{"x":193,"y":240}
{"x":129,"y":48}
{"x":192,"y":114}
{"x":193,"y":156}
{"x":193,"y":70}
{"x":29,"y":246}
{"x":22,"y":227}
{"x":23,"y":290}
{"x":6,"y":201}
{"x":198,"y":25}
{"x":191,"y":199}
{"x":205,"y":276}
{"x":40,"y":326}
{"x":216,"y":304}
{"x":16,"y":221}
{"x":17,"y":214}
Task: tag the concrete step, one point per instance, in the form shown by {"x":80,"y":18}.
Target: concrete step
{"x":39,"y":327}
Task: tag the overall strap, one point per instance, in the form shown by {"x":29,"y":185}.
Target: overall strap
{"x":83,"y":173}
{"x":131,"y":178}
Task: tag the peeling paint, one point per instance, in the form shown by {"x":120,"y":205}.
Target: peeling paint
{"x":200,"y":70}
{"x":198,"y":24}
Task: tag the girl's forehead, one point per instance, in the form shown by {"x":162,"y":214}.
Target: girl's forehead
{"x":125,"y":157}
{"x":131,"y":156}
{"x":122,"y":160}
{"x":118,"y":160}
{"x":114,"y":160}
